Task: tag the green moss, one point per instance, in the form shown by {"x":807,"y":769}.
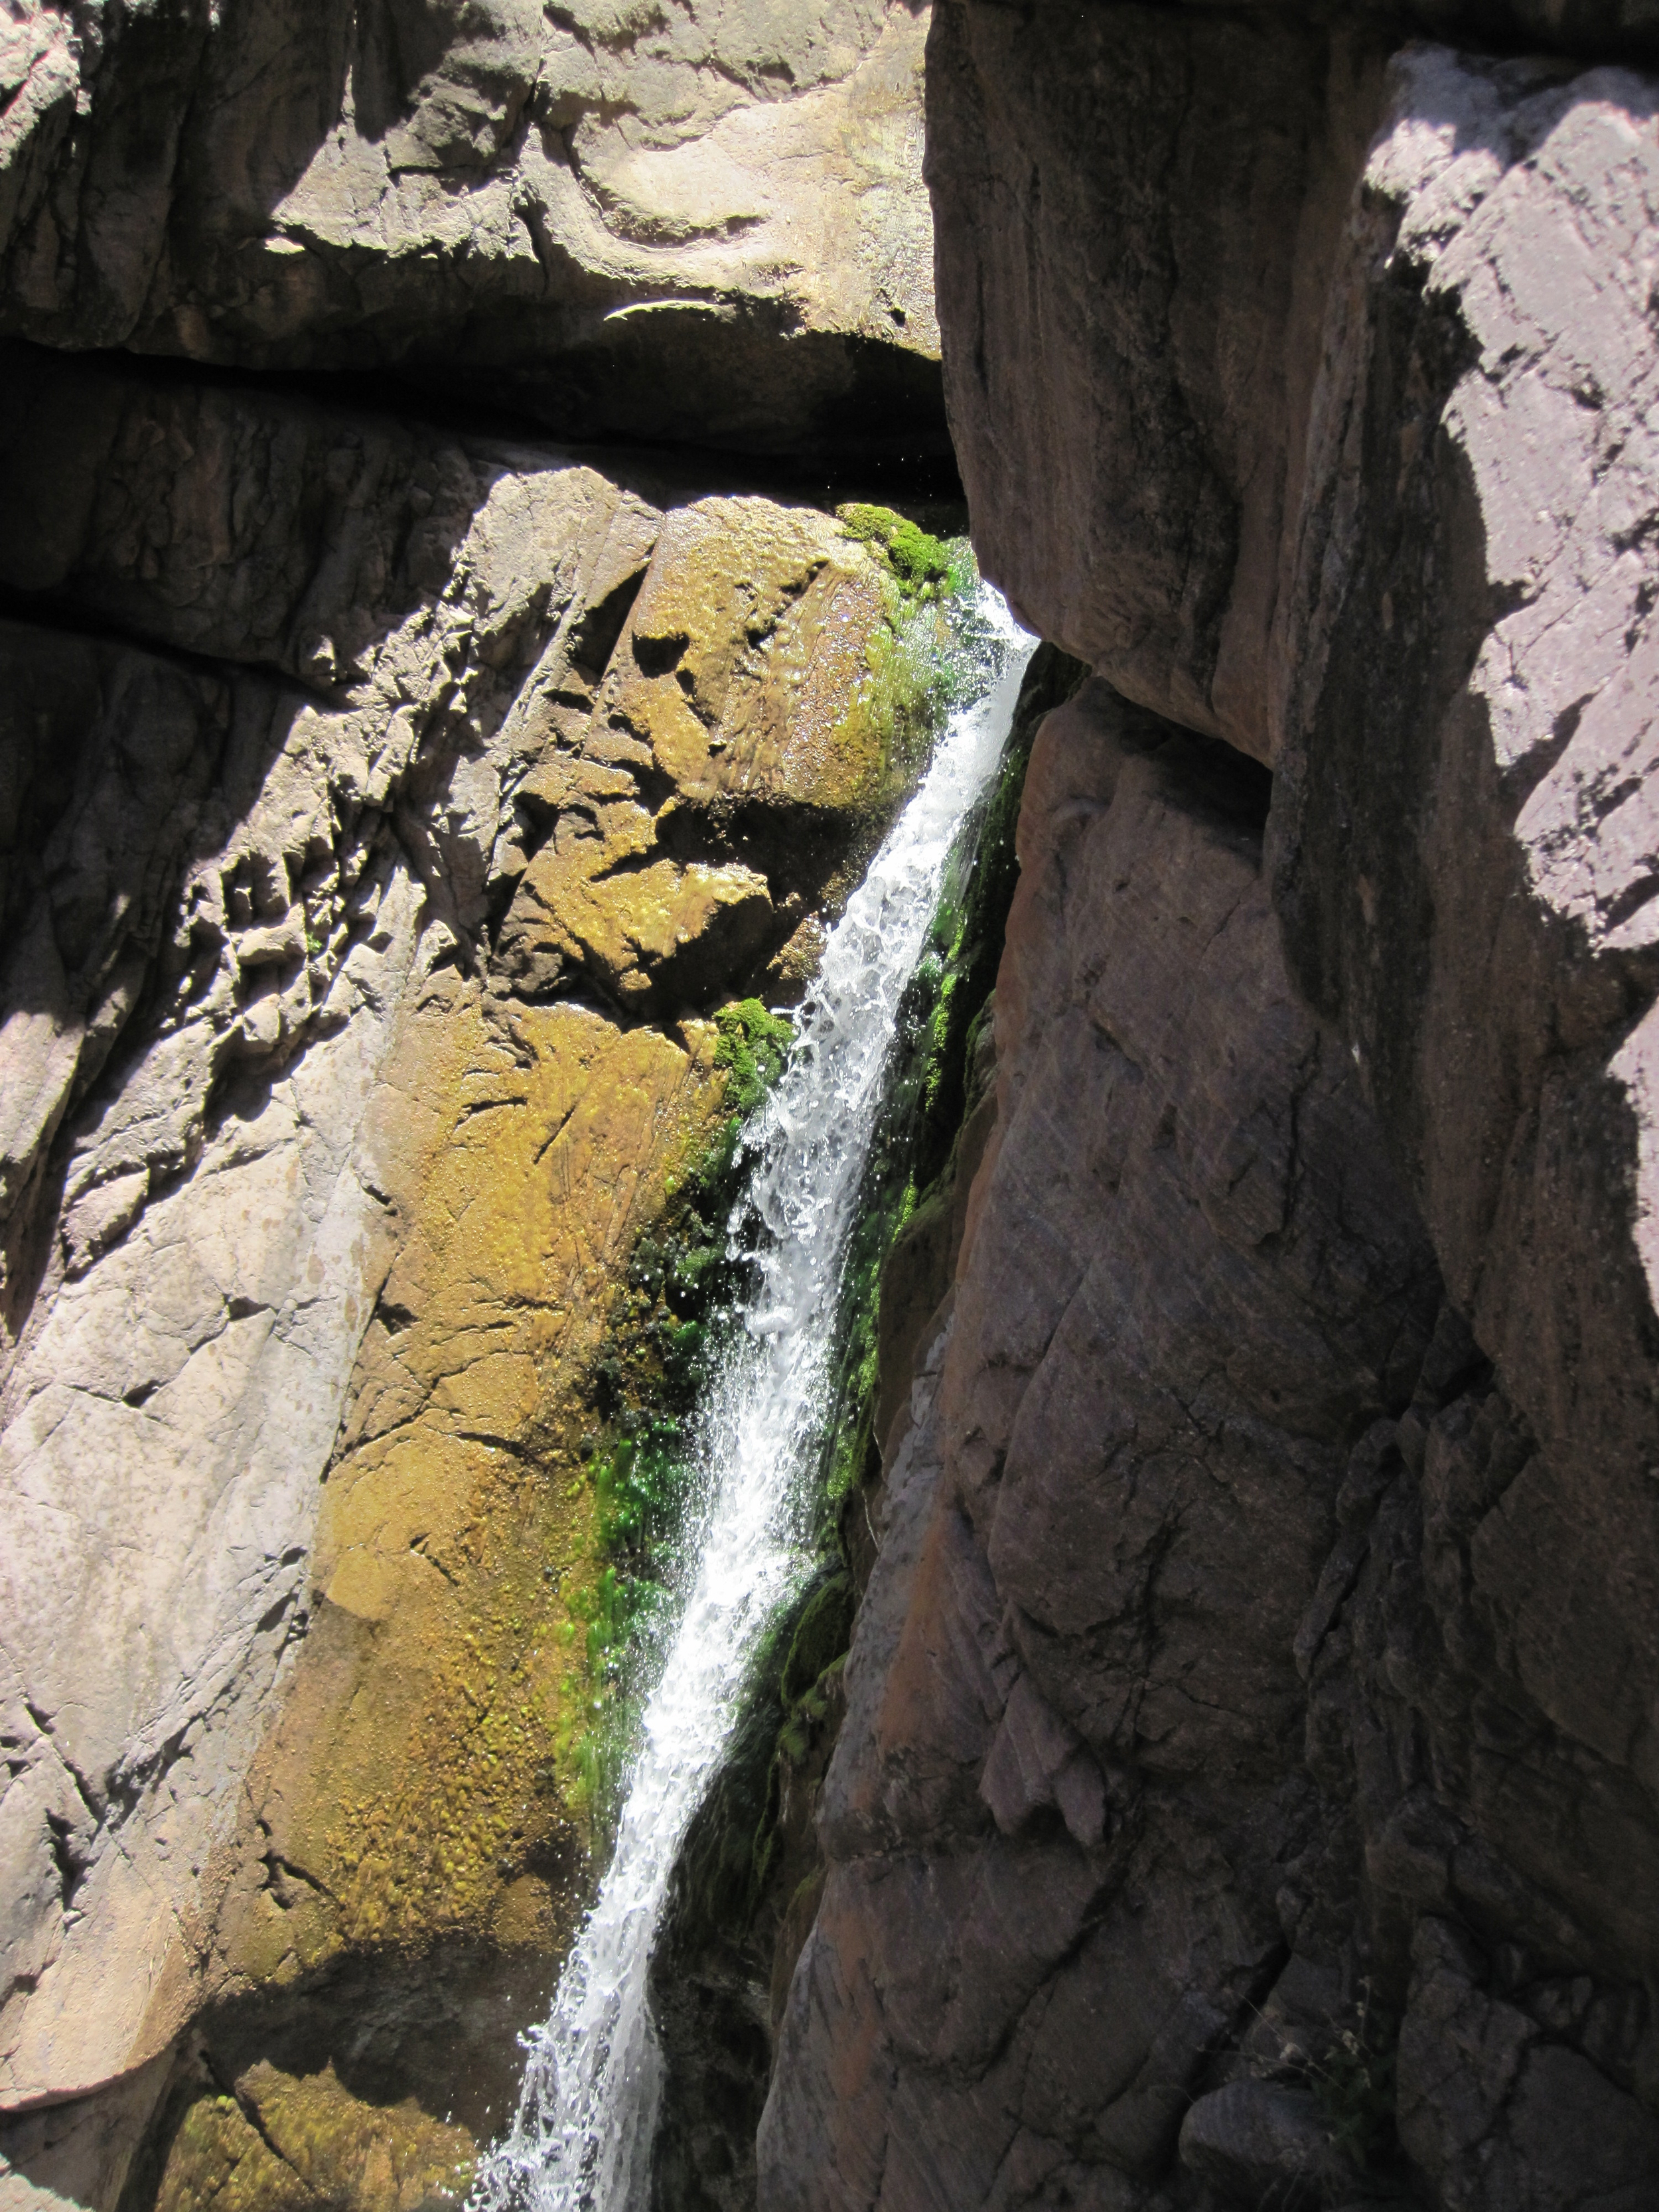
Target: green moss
{"x":753,"y":1047}
{"x":218,"y":2163}
{"x":732,"y":1850}
{"x":683,"y":1285}
{"x":920,"y":562}
{"x":927,"y":1087}
{"x":301,"y":2144}
{"x":730,"y":1847}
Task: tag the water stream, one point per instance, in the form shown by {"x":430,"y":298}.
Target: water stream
{"x":581,"y":2139}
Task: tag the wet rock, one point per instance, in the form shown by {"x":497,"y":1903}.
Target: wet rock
{"x":317,"y":1206}
{"x":751,"y":1875}
{"x":1264,"y":2146}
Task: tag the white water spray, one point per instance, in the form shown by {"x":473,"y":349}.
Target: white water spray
{"x":582,"y":2140}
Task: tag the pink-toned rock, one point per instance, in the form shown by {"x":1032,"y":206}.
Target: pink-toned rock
{"x":1068,"y":1788}
{"x":1329,"y":437}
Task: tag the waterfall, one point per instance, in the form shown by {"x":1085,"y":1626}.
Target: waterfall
{"x":581,"y":2139}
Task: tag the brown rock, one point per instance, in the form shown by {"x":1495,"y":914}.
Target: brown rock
{"x":1443,"y":615}
{"x":1181,"y":254}
{"x":710,"y":226}
{"x":1492,"y":2114}
{"x":1070,"y":1767}
{"x":1334,"y":458}
{"x":1264,"y":2146}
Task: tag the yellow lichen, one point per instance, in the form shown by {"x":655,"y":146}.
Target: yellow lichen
{"x":424,"y":1765}
{"x":284,"y":2144}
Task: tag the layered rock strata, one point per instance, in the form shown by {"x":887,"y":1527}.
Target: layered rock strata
{"x":1201,"y":1836}
{"x":400,"y":777}
{"x":679,"y":223}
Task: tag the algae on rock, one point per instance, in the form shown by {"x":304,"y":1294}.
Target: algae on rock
{"x":685,"y":1278}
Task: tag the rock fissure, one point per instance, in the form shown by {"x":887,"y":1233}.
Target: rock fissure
{"x":1240,"y":1786}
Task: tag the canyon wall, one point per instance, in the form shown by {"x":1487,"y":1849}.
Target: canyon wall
{"x":388,"y":802}
{"x":1247,"y":1792}
{"x":371,"y":868}
{"x":678,"y":222}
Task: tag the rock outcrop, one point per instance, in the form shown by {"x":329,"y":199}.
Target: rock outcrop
{"x":398,"y":775}
{"x":1299,"y":382}
{"x":684,"y":222}
{"x":1067,"y":1819}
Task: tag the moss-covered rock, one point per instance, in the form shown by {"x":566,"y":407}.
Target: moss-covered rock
{"x":773,"y":690}
{"x":512,"y":1465}
{"x":306,"y":2144}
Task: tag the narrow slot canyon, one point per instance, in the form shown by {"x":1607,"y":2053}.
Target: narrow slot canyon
{"x":827,"y":1106}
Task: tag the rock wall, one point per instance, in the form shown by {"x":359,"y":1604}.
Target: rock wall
{"x":1247,"y":1790}
{"x":680,"y":222}
{"x":1246,"y":1794}
{"x":384,"y":809}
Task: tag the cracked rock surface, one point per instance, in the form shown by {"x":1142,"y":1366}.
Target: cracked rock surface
{"x":1325,"y":439}
{"x":1069,"y":1833}
{"x":320,"y":1168}
{"x":1247,"y":1791}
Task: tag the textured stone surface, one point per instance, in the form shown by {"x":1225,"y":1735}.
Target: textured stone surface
{"x":1259,"y":2144}
{"x":1261,"y":1655}
{"x":1068,"y":1798}
{"x":694,"y":221}
{"x":1343,"y":457}
{"x":1517,"y":2119}
{"x":1133,"y":306}
{"x":1461,"y":862}
{"x":310,"y":1173}
{"x":734,"y":691}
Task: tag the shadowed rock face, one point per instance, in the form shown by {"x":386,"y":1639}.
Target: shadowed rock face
{"x":702,"y":223}
{"x":1300,"y":384}
{"x":1070,"y":1833}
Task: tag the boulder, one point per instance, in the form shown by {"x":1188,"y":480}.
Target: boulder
{"x":1262,"y":2146}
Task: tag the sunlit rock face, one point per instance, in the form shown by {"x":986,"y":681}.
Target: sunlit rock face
{"x":1301,"y":384}
{"x":383,"y":809}
{"x":692,"y":223}
{"x":357,"y":809}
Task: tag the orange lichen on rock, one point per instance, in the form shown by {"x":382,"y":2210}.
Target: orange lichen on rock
{"x":414,"y":1787}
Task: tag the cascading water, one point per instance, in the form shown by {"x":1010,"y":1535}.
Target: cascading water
{"x":581,"y":2139}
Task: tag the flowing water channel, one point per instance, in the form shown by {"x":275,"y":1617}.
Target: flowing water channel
{"x":581,"y":2139}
